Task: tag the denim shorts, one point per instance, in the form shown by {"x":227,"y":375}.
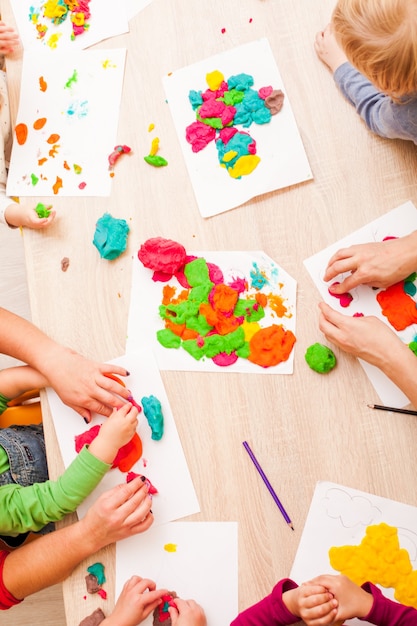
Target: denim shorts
{"x":25,"y":447}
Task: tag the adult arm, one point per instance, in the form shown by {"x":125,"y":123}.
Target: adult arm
{"x":79,"y":382}
{"x":34,"y":506}
{"x":373,"y":341}
{"x":119,"y":513}
{"x":381,"y":114}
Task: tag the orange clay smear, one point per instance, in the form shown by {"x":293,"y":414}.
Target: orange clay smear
{"x":42,"y":161}
{"x":53,"y":138}
{"x":42,"y":84}
{"x":271,"y":345}
{"x":379,"y":560}
{"x":277,"y":305}
{"x":397,"y":306}
{"x":169,"y":292}
{"x":57,"y":185}
{"x":261,"y":299}
{"x":40,"y":123}
{"x":21,"y":131}
{"x":116,"y":378}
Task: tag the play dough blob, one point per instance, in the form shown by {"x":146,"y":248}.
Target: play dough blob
{"x":320,"y":358}
{"x":162,"y":255}
{"x":110,"y":237}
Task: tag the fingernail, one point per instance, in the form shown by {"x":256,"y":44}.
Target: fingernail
{"x":127,"y":373}
{"x":143,"y":478}
{"x":86,"y":420}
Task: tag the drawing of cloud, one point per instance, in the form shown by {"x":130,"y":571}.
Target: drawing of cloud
{"x":351,"y":510}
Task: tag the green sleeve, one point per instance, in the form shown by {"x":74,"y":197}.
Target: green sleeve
{"x":3,"y":403}
{"x":31,"y":508}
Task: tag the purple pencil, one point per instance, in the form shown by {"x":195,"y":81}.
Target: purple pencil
{"x":268,"y":484}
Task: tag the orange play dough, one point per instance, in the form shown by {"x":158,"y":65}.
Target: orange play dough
{"x":271,"y":345}
{"x":397,"y":306}
{"x":21,"y":131}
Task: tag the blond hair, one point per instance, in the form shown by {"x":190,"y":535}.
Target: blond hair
{"x":379,"y":37}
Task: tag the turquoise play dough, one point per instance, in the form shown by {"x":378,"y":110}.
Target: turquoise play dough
{"x":110,"y":237}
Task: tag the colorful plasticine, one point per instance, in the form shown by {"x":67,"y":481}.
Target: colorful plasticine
{"x":127,"y":455}
{"x":211,"y":319}
{"x":320,"y":358}
{"x":222,"y":107}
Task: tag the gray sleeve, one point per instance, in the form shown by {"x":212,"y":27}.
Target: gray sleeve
{"x":383,"y":116}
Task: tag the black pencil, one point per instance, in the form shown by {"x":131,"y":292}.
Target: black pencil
{"x":381,"y":407}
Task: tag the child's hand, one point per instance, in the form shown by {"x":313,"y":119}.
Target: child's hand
{"x":187,"y":613}
{"x":328,"y":50}
{"x":21,"y":215}
{"x":313,"y":603}
{"x":115,"y":432}
{"x":9,"y":39}
{"x":353,"y":601}
{"x":137,"y":600}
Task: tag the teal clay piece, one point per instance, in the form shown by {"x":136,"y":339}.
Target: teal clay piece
{"x":110,"y":237}
{"x":153,"y":413}
{"x":320,"y":358}
{"x":97,"y":570}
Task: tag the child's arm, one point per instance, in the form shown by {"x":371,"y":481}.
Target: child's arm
{"x":9,"y":39}
{"x":17,"y":380}
{"x":271,"y":610}
{"x":114,"y":433}
{"x":352,"y":600}
{"x":16,"y":214}
{"x":32,"y":507}
{"x":138,"y":599}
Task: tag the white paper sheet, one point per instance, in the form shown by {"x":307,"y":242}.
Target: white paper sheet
{"x":203,"y":567}
{"x":283,"y":159}
{"x":163,"y":462}
{"x":100,"y":26}
{"x":397,"y":223}
{"x":339,"y":516}
{"x":81,"y":104}
{"x":146,"y":297}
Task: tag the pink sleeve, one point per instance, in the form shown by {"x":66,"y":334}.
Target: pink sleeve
{"x":6,"y":598}
{"x":386,"y":612}
{"x":271,"y":611}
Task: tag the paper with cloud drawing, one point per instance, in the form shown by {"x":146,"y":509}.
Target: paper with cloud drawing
{"x":397,"y":223}
{"x":339,"y":516}
{"x":202,"y":564}
{"x":74,"y":102}
{"x":159,"y":457}
{"x":29,"y":16}
{"x":146,"y":297}
{"x":283,"y":158}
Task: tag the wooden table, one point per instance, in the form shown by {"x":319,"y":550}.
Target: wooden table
{"x":303,"y":427}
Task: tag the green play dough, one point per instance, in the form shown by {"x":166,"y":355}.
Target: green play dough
{"x":110,"y":237}
{"x":320,"y":358}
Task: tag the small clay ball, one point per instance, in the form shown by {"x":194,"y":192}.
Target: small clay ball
{"x":320,"y":358}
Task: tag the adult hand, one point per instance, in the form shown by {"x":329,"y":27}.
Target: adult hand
{"x":138,"y":599}
{"x":365,"y":337}
{"x":378,"y":264}
{"x":82,"y":384}
{"x":9,"y":39}
{"x":352,"y":600}
{"x":187,"y":613}
{"x":118,"y":513}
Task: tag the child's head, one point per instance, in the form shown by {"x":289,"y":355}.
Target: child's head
{"x":379,"y":37}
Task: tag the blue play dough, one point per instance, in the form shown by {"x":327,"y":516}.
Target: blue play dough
{"x":153,"y":413}
{"x":110,"y":237}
